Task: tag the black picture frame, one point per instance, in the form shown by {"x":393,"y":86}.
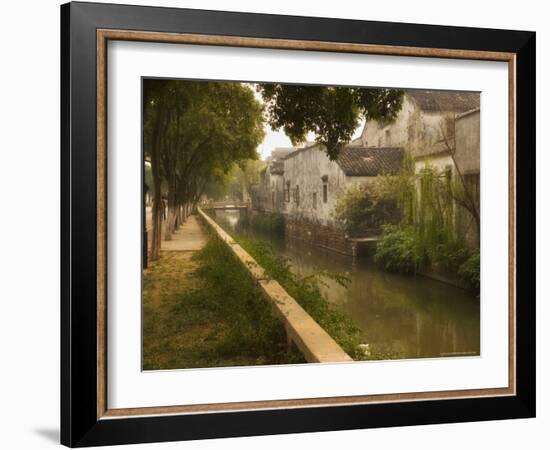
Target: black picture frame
{"x":79,"y":423}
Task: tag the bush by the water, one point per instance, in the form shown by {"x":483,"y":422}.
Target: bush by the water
{"x":403,"y":250}
{"x":427,"y":237}
{"x":360,"y":210}
{"x":469,"y":272}
{"x":399,"y":250}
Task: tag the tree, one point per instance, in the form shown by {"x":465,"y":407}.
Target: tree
{"x":362,"y":210}
{"x":462,"y":194}
{"x":154,"y":96}
{"x":193,"y":131}
{"x":331,"y":113}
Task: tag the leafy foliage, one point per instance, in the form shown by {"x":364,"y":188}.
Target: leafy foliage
{"x":237,"y":182}
{"x":359,"y":209}
{"x":206,"y":126}
{"x":469,"y":272}
{"x":331,"y":113}
{"x":427,"y":234}
{"x":194,"y":132}
{"x":400,"y":250}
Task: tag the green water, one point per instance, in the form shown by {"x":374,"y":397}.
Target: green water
{"x":400,"y":316}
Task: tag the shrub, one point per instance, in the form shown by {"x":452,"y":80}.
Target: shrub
{"x":399,"y":250}
{"x":469,"y":272}
{"x":445,"y":255}
{"x":359,"y":210}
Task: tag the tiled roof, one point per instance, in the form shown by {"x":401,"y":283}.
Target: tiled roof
{"x":370,"y":161}
{"x":281,"y":152}
{"x":467,"y":113}
{"x":444,"y":101}
{"x":436,"y":148}
{"x":356,"y":161}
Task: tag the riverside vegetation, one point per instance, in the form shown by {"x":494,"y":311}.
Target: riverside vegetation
{"x":417,"y":213}
{"x":217,"y":316}
{"x":305,"y":290}
{"x":214,"y":316}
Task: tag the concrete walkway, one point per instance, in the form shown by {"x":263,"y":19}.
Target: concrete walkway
{"x":190,"y":237}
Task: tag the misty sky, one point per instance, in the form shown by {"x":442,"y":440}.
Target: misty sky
{"x":274,"y":139}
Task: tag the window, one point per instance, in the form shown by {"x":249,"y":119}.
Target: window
{"x":297,"y":195}
{"x":448,"y":176}
{"x":325,"y":192}
{"x":315,"y":200}
{"x":287,"y":192}
{"x":449,"y":128}
{"x":388,"y":137}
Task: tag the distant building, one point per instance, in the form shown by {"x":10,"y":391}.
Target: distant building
{"x":267,"y":196}
{"x":304,"y":185}
{"x":439,"y":129}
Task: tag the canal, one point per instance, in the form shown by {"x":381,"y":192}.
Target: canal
{"x":400,"y":316}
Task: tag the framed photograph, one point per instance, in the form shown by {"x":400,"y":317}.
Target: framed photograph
{"x":276,"y":224}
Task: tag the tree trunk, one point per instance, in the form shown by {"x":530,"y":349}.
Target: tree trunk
{"x":157,"y":224}
{"x":170,"y":225}
{"x":158,"y":205}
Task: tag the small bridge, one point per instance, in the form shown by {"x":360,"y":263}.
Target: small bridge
{"x":225,"y":205}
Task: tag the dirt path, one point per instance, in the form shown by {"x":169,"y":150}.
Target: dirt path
{"x":200,"y":309}
{"x":164,"y":339}
{"x":189,"y":237}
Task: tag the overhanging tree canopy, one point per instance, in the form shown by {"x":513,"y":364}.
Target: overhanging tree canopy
{"x":331,"y":113}
{"x":193,"y":132}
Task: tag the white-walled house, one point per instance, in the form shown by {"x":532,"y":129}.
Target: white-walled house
{"x":425,"y":118}
{"x":425,"y":126}
{"x":441,"y":131}
{"x":312,"y":182}
{"x":431,"y":126}
{"x":304,"y":186}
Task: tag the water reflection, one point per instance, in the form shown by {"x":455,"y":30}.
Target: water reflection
{"x":399,"y":316}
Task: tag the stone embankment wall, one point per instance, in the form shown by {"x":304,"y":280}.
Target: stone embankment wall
{"x":313,"y":341}
{"x":324,"y":236}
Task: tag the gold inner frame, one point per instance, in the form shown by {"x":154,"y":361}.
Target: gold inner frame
{"x":103,"y":36}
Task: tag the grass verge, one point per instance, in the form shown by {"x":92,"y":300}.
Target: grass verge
{"x":205,"y":311}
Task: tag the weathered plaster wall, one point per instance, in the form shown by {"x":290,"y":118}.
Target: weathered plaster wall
{"x":411,"y":128}
{"x":468,"y":142}
{"x":308,"y":216}
{"x":438,"y":163}
{"x":324,"y":236}
{"x":467,"y":157}
{"x":268,"y":194}
{"x":305,"y":170}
